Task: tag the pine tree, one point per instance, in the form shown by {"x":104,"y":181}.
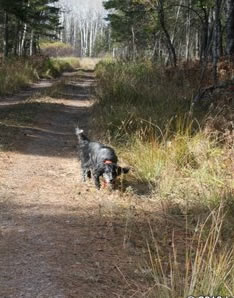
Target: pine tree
{"x":132,"y":23}
{"x":25,"y":22}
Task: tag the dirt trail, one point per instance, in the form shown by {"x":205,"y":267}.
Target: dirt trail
{"x":54,"y":239}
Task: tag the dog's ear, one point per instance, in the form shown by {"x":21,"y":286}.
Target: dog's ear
{"x":122,"y":170}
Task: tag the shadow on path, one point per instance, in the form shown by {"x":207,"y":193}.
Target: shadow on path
{"x":60,"y":251}
{"x":41,"y":119}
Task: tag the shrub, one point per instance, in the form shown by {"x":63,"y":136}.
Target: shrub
{"x":56,"y":49}
{"x":16,"y":73}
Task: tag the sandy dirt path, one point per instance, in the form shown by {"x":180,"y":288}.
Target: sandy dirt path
{"x":55,"y":240}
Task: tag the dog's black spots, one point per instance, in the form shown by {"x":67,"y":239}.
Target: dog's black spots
{"x":98,"y":160}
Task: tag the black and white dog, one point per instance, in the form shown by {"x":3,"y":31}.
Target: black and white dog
{"x":98,"y":160}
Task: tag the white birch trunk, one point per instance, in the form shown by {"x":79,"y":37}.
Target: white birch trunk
{"x":23,"y":40}
{"x":31,"y":43}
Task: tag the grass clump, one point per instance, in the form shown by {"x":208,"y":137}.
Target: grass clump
{"x":88,"y":64}
{"x":56,"y":49}
{"x":190,"y":168}
{"x":53,"y":67}
{"x":202,"y":264}
{"x":16,"y":73}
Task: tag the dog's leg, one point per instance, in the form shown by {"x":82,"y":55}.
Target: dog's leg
{"x":89,"y":174}
{"x":97,"y":181}
{"x":84,"y":175}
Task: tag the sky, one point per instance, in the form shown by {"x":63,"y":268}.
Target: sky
{"x":84,"y":4}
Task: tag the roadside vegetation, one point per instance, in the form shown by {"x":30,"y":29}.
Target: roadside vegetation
{"x":16,"y":73}
{"x":182,"y":160}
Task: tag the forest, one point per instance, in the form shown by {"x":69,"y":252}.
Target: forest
{"x":153,"y":79}
{"x":161,"y":30}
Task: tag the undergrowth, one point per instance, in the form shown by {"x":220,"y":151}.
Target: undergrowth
{"x":16,"y":73}
{"x":187,"y":164}
{"x":147,"y":117}
{"x":200,"y":263}
{"x":56,"y":49}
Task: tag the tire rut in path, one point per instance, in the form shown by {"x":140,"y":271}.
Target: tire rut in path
{"x":53,"y":241}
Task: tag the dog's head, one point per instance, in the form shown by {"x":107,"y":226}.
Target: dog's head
{"x":111,"y":171}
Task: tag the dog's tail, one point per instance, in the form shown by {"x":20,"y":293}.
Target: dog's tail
{"x":79,"y":131}
{"x":80,"y":135}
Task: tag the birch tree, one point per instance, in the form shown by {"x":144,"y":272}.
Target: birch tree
{"x":83,"y":30}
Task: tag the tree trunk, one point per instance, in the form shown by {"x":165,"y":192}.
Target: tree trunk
{"x":6,"y":35}
{"x":230,"y":27}
{"x":204,"y":39}
{"x":171,"y":49}
{"x":133,"y":44}
{"x":91,"y":39}
{"x":216,"y":45}
{"x":23,"y":40}
{"x":31,"y":43}
{"x":188,"y":30}
{"x":197,"y":45}
{"x":17,"y":39}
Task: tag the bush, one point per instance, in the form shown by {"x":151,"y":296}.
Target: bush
{"x":53,"y":67}
{"x":56,"y":49}
{"x":16,"y":73}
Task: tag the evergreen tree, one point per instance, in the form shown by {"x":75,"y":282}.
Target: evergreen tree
{"x":24,"y":22}
{"x":133,"y":24}
{"x":171,"y":29}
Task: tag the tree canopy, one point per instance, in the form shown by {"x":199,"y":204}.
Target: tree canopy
{"x":168,"y":29}
{"x":23,"y":22}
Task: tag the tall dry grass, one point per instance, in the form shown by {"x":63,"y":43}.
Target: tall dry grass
{"x":89,"y":64}
{"x":144,"y":112}
{"x":56,"y":49}
{"x":135,"y":96}
{"x":16,"y":73}
{"x":202,"y":265}
{"x":147,"y":117}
